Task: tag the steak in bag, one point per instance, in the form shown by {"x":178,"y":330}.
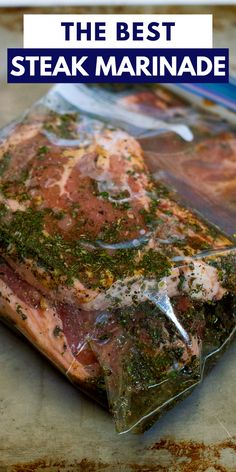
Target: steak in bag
{"x":103,"y":270}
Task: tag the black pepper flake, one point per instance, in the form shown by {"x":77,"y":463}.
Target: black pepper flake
{"x":20,"y":312}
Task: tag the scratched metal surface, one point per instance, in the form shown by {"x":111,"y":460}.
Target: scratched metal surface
{"x":47,"y":425}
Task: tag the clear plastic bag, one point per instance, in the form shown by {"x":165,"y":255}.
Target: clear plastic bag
{"x":205,"y":167}
{"x":102,"y":267}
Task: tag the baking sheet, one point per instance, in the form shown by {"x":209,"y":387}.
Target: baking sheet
{"x":46,"y":424}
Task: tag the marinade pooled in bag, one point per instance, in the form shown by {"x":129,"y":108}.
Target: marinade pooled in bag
{"x":125,"y":290}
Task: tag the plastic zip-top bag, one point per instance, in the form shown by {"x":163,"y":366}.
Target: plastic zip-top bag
{"x":205,"y":166}
{"x":103,"y":268}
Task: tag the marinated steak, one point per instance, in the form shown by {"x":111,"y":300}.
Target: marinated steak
{"x":204,"y":170}
{"x":101,"y":267}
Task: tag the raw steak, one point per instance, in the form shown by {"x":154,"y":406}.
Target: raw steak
{"x":204,"y":170}
{"x":102,"y":269}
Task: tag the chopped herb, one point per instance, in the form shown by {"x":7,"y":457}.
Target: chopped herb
{"x":57,"y":331}
{"x":20,"y":312}
{"x":4,"y":162}
{"x":42,"y":151}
